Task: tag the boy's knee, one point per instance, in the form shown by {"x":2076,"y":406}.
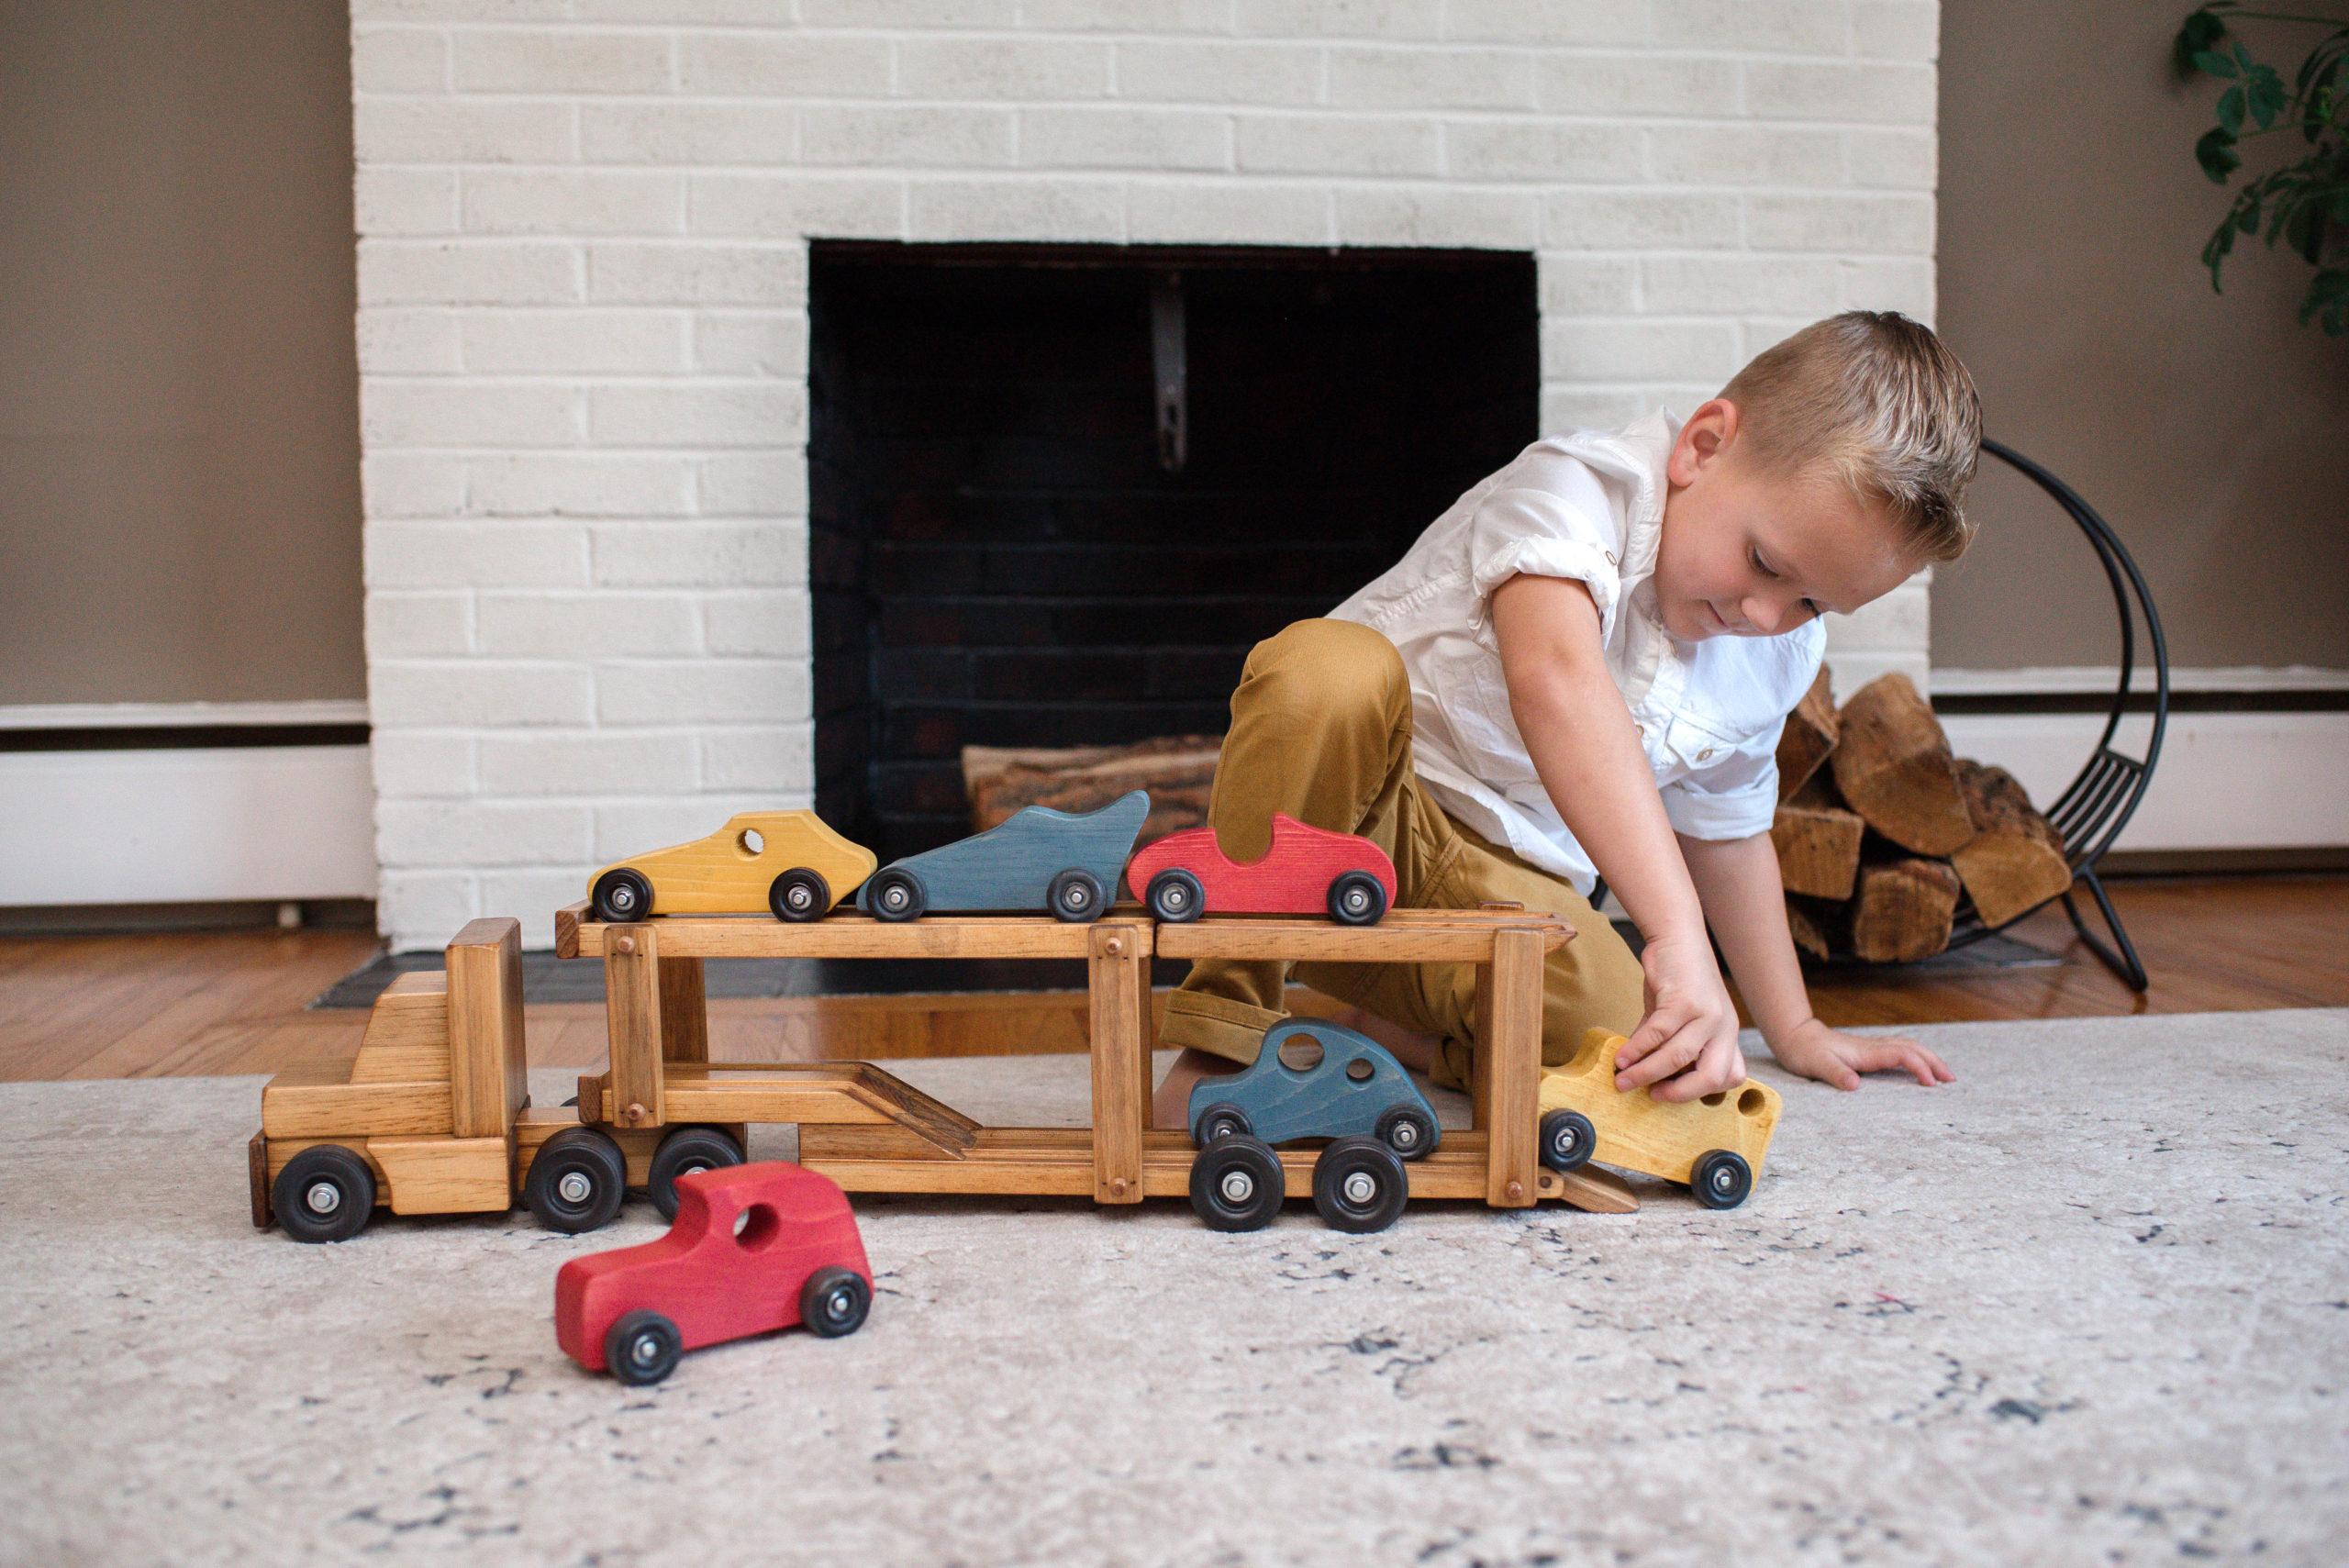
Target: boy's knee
{"x":1320,"y":668}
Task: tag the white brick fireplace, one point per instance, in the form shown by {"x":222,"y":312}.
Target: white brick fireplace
{"x":583,"y":274}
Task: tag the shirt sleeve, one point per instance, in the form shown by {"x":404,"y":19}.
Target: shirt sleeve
{"x":1550,"y":516}
{"x":1734,"y":795}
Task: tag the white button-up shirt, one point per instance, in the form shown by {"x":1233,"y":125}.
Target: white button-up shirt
{"x":1588,"y":506}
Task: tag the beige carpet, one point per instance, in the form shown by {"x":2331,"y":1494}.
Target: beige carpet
{"x":2088,"y":1305}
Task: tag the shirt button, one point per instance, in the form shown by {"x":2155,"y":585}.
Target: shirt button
{"x":1706,"y":755}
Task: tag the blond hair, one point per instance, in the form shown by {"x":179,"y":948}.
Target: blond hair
{"x":1882,"y":403}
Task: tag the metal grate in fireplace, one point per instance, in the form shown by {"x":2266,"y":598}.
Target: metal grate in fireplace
{"x":1057,"y":491}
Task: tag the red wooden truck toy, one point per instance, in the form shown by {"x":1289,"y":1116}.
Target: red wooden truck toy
{"x":754,"y":1248}
{"x":1306,"y":871}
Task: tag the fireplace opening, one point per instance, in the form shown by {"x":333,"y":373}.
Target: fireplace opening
{"x":1058,"y":492}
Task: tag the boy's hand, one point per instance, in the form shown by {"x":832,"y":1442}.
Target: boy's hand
{"x":1833,"y":1057}
{"x":1686,"y":1046}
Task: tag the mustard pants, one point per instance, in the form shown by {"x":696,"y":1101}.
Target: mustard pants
{"x":1321,"y":729}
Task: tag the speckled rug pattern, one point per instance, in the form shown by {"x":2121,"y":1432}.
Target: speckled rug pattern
{"x":2090,"y":1304}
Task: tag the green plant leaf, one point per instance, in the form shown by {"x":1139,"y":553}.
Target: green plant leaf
{"x":2196,"y":35}
{"x":2214,"y":64}
{"x":2264,"y":90}
{"x":2328,"y":299}
{"x":2230,"y":108}
{"x":2216,"y":154}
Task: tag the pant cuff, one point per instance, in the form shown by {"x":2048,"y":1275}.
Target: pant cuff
{"x":1197,"y":1021}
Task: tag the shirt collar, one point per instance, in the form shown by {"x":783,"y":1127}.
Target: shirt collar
{"x":1652,"y":439}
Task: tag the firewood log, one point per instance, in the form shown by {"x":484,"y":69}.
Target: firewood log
{"x":1177,"y":770}
{"x":2015,"y":861}
{"x":1809,"y":737}
{"x":1893,"y":764}
{"x":1819,"y":848}
{"x":1903,"y":911}
{"x":1808,"y":925}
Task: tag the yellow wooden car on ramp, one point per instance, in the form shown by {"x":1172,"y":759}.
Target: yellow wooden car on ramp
{"x":789,"y":863}
{"x":1715,"y":1144}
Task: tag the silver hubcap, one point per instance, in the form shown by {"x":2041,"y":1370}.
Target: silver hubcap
{"x":1176,"y":897}
{"x":324,"y":1198}
{"x":1724,"y":1180}
{"x":1404,"y":1135}
{"x":623,"y":896}
{"x":800,"y":897}
{"x":689,"y":1170}
{"x":645,"y":1351}
{"x":1076,"y":895}
{"x":1356,"y":901}
{"x":894,"y":898}
{"x":836,"y":1305}
{"x":1238,"y":1186}
{"x":574,"y":1187}
{"x":1360,"y":1188}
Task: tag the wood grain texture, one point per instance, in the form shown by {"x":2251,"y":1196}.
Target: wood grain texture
{"x":1508,"y":1061}
{"x":318,"y":1100}
{"x":722,"y":874}
{"x":632,"y":1017}
{"x":854,"y":935}
{"x":1819,"y":848}
{"x":1903,"y":910}
{"x":685,"y":1011}
{"x":488,"y":1062}
{"x":1657,"y":1138}
{"x":1894,"y":767}
{"x":408,"y":1033}
{"x":1011,"y":867}
{"x":1809,"y":737}
{"x":444,"y":1175}
{"x":2015,"y":861}
{"x":1119,"y":974}
{"x":1292,"y":877}
{"x":1465,"y":940}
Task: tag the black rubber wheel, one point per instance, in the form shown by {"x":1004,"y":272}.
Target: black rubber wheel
{"x":1360,"y":1185}
{"x":897,"y":894}
{"x":799,"y":894}
{"x":1409,"y":1132}
{"x":1219,"y":1121}
{"x":1357,"y":898}
{"x":325,"y":1194}
{"x":1175,"y":896}
{"x":577,"y":1181}
{"x":687,"y":1150}
{"x":834,"y":1301}
{"x":1236,"y":1184}
{"x":621,"y":895}
{"x":642,"y":1347}
{"x":1720,"y":1179}
{"x":1075,"y":896}
{"x":1567,"y":1139}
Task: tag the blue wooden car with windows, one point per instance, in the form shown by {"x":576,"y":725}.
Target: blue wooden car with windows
{"x":1040,"y":860}
{"x":1310,"y":1079}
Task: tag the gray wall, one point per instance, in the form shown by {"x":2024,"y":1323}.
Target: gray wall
{"x":2211,"y":430}
{"x":179,"y":445}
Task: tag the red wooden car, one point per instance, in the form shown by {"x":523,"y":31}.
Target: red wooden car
{"x":754,"y":1248}
{"x":1308,"y":870}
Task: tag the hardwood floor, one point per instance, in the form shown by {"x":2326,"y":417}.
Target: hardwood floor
{"x":234,"y":1002}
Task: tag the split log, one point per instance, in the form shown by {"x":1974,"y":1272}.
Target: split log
{"x":2015,"y":861}
{"x":1819,"y":848}
{"x":1807,"y":928}
{"x":1177,"y":770}
{"x":1809,"y":737}
{"x":1893,"y":764}
{"x":1903,"y":911}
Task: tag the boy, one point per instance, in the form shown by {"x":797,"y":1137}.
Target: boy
{"x":1581,"y":669}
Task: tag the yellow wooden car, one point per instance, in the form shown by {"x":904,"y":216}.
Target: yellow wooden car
{"x":1715,"y":1144}
{"x":798,"y":866}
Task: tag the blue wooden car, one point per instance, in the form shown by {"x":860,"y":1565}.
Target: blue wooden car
{"x":1040,"y":860}
{"x":1355,"y":1094}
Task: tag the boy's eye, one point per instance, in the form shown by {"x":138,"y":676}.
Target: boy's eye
{"x":1761,"y":565}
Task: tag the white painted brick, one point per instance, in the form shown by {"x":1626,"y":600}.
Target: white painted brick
{"x":755,"y":343}
{"x":1435,"y":215}
{"x":1644,"y":84}
{"x":401,"y":554}
{"x":783,"y":65}
{"x":679,"y":13}
{"x":429,"y":764}
{"x":1127,"y":16}
{"x":1334,"y":144}
{"x":711,"y":274}
{"x":576,"y":343}
{"x":1639,"y":350}
{"x":474,"y":693}
{"x":397,"y":342}
{"x":740,"y":414}
{"x":1582,"y":408}
{"x":1896,"y":159}
{"x":767,"y":484}
{"x":399,"y":60}
{"x":631,"y":828}
{"x":468,"y":413}
{"x":1026,"y":209}
{"x":1639,"y":221}
{"x":1896,"y":29}
{"x":478,"y":271}
{"x":1430,"y":79}
{"x":728,"y":691}
{"x":527,"y":893}
{"x":788,"y":206}
{"x":687,"y":133}
{"x":1219,"y":213}
{"x":1155,"y":140}
{"x":481,"y":832}
{"x":1545,"y":150}
{"x":1779,"y":26}
{"x":420,"y":910}
{"x":1588,"y":285}
{"x":1529,"y":22}
{"x":1746,"y":155}
{"x":565,"y":59}
{"x":1881,"y":221}
{"x":779,"y":759}
{"x":1849,"y":671}
{"x":772,"y":625}
{"x":418,"y":625}
{"x":1905,"y":284}
{"x":586,"y":201}
{"x":412,"y":485}
{"x":927,"y":15}
{"x":1266,"y":74}
{"x":579,"y":485}
{"x":566,"y":625}
{"x":1900,"y":620}
{"x":984,"y":69}
{"x":449,"y":130}
{"x":1696,"y":285}
{"x":387,"y":202}
{"x":1878,"y":92}
{"x":1340,"y":19}
{"x":689,"y":555}
{"x":594,"y":761}
{"x":925,"y":137}
{"x":363,"y":12}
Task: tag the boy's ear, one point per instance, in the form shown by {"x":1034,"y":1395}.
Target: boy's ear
{"x":1704,"y":440}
